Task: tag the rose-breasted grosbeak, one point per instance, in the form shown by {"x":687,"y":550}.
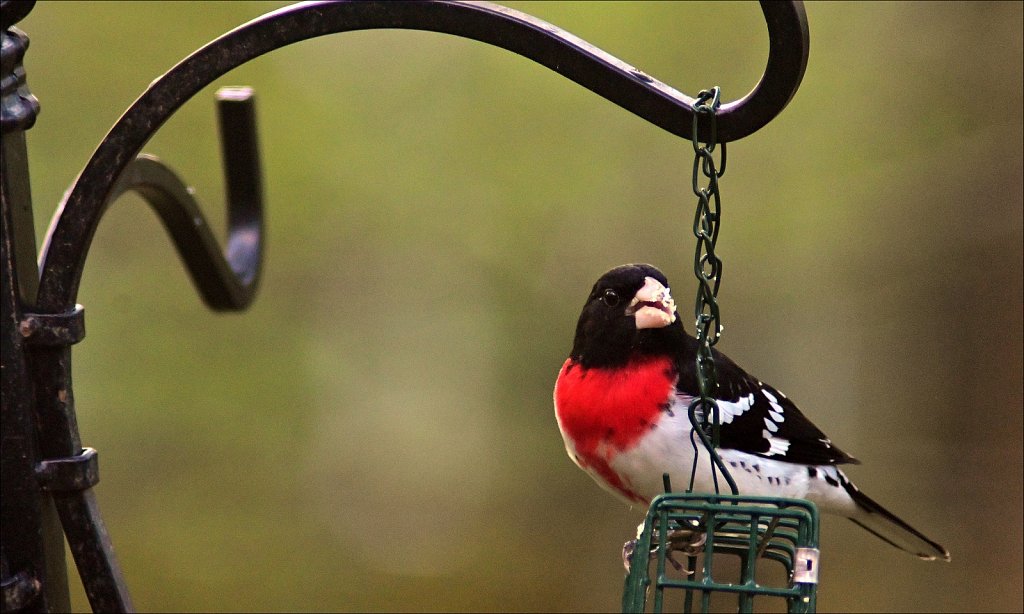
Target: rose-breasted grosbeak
{"x":622,"y":397}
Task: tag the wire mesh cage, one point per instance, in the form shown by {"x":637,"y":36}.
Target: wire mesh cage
{"x":747,"y":553}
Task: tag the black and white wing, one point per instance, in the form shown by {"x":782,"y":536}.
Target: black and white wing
{"x":758,"y":419}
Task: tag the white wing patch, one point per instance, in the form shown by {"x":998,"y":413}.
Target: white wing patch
{"x":776,"y":446}
{"x":775,"y":405}
{"x":771,"y":424}
{"x":727,"y":410}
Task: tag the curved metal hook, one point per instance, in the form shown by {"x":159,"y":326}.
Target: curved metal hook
{"x":69,"y":239}
{"x":228,"y":281}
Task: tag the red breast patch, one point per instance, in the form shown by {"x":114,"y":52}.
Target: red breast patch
{"x":607,"y":411}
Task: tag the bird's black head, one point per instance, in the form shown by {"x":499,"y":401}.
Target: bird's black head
{"x":629,"y":311}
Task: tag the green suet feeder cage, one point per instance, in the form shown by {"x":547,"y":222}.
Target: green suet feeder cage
{"x":759,"y":551}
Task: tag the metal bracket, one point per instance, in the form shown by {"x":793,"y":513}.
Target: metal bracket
{"x":805,"y":566}
{"x":70,"y":474}
{"x":53,"y":329}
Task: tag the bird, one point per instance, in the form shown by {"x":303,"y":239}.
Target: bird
{"x":621,"y":402}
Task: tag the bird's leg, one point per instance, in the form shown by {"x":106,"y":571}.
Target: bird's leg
{"x":688,"y":541}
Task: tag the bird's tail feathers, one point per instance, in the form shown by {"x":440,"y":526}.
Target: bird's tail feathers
{"x":891,"y":529}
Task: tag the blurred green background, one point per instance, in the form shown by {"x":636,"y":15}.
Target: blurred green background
{"x":376,"y":433}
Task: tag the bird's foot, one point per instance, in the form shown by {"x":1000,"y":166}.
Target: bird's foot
{"x":688,"y":541}
{"x":627,"y":553}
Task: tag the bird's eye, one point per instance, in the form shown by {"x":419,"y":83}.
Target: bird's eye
{"x":610,"y":298}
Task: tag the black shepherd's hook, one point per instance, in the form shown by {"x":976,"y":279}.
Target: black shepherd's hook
{"x":227,"y":278}
{"x":75,"y":223}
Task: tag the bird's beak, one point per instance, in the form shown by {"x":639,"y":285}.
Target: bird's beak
{"x":653,"y":305}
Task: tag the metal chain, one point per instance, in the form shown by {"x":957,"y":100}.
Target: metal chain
{"x":707,"y":267}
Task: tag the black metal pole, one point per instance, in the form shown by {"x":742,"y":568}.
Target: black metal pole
{"x":34,"y":574}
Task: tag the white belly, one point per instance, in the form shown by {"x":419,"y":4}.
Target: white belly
{"x":668,"y":449}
